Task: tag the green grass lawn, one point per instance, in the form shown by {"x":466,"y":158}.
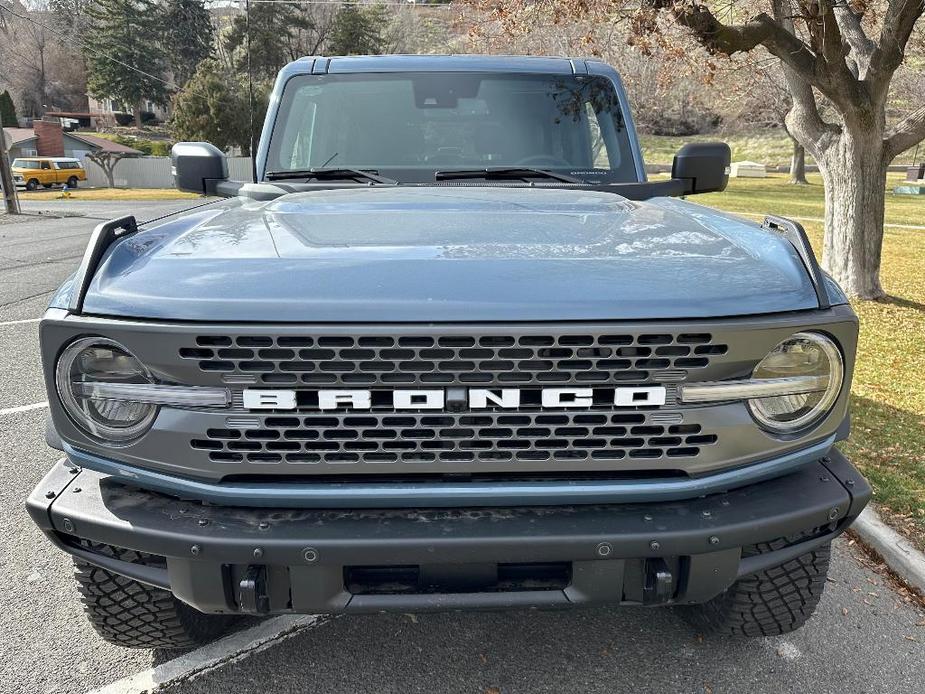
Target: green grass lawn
{"x":771,"y":147}
{"x":888,"y":397}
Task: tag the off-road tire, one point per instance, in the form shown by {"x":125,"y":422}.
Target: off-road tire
{"x":32,"y":184}
{"x":132,"y":614}
{"x":769,"y":603}
{"x":72,"y":182}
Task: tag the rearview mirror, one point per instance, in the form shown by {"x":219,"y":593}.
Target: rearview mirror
{"x":703,"y":167}
{"x":198,"y":167}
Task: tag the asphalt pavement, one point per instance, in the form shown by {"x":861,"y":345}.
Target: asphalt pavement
{"x":865,"y":636}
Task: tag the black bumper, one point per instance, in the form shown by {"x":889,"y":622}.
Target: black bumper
{"x":225,"y":559}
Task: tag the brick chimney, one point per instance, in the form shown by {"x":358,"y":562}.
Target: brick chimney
{"x":49,"y":138}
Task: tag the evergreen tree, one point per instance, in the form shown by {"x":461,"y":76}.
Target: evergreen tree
{"x":188,"y":36}
{"x":125,"y":57}
{"x":213,"y":107}
{"x":359,"y":30}
{"x":7,"y":111}
{"x":272,"y":31}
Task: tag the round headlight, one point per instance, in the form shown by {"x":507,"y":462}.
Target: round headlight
{"x":802,"y":354}
{"x":96,"y":360}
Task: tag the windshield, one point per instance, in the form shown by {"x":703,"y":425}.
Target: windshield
{"x":408,"y":126}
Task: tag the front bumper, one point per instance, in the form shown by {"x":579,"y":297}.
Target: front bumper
{"x":260,"y":560}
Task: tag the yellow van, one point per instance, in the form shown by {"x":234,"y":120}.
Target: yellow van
{"x":32,"y":172}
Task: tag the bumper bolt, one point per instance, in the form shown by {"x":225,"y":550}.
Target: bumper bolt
{"x":826,"y":459}
{"x":310,"y":555}
{"x":73,"y":470}
{"x":714,"y":540}
{"x":833,"y":514}
{"x":706,"y":514}
{"x":850,"y":483}
{"x":49,"y":495}
{"x":67,"y":525}
{"x":195,"y":550}
{"x":604,"y":549}
{"x":77,"y":490}
{"x":263,"y":525}
{"x":258,"y":553}
{"x":823,"y":479}
{"x":202,"y":522}
{"x":654,"y":546}
{"x":647,"y":517}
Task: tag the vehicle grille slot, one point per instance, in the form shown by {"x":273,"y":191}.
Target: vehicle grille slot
{"x":486,"y":359}
{"x":414,"y":438}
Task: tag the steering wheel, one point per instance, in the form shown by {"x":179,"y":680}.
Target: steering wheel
{"x":544,"y":160}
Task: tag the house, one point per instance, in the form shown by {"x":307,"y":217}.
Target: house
{"x":47,"y":139}
{"x":104,"y":110}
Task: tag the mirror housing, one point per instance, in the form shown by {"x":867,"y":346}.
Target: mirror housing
{"x":702,"y":167}
{"x":198,"y":167}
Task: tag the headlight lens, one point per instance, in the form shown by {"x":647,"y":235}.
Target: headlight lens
{"x":802,"y":354}
{"x":95,"y":360}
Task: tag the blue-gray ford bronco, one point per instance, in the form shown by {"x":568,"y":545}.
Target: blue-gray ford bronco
{"x":449,"y":349}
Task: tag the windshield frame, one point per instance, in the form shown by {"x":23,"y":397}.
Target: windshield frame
{"x":631,"y":170}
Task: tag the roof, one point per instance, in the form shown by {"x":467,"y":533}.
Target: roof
{"x":102,"y":144}
{"x":72,"y":114}
{"x":20,"y":135}
{"x":46,"y":159}
{"x":446,"y":63}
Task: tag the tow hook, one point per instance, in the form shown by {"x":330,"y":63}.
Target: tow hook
{"x":252,"y":591}
{"x":659,"y":586}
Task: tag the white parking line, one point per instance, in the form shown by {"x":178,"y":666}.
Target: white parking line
{"x":19,"y":322}
{"x":24,"y":408}
{"x":227,"y":650}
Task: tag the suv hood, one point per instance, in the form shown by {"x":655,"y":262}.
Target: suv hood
{"x":453,"y":253}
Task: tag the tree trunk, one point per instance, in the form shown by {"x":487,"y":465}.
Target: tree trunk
{"x":798,"y":164}
{"x":137,"y":112}
{"x":854,"y":174}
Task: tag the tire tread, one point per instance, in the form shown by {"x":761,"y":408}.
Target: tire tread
{"x":131,"y":614}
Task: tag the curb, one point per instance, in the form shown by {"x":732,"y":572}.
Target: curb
{"x":898,"y":553}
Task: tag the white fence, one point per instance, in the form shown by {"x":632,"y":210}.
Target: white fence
{"x":154,"y":172}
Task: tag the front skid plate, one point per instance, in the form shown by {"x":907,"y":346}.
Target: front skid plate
{"x":313,"y":546}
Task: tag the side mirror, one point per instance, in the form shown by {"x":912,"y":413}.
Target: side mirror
{"x":198,"y":167}
{"x":703,"y":167}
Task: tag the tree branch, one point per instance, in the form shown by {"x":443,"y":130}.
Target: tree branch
{"x":828,"y":73}
{"x":898,"y":23}
{"x":909,"y":132}
{"x":862,"y":47}
{"x":803,"y":121}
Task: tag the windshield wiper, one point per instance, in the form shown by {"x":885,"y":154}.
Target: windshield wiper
{"x":505,"y":172}
{"x":332,"y":173}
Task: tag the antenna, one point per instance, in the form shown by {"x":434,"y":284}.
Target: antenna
{"x":250,"y":87}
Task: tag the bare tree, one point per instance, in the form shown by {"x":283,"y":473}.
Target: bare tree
{"x":107,"y":161}
{"x":38,"y":64}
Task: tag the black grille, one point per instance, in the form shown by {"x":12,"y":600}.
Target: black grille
{"x":454,"y":359}
{"x":454,"y":438}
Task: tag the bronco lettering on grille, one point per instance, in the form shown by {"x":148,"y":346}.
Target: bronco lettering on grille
{"x":436,"y":399}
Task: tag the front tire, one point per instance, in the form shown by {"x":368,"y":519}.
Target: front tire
{"x":32,"y":184}
{"x":72,"y":182}
{"x":769,"y":603}
{"x":132,"y":614}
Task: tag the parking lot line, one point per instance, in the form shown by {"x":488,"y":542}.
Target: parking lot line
{"x":24,"y":408}
{"x":227,"y":650}
{"x":19,"y":322}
